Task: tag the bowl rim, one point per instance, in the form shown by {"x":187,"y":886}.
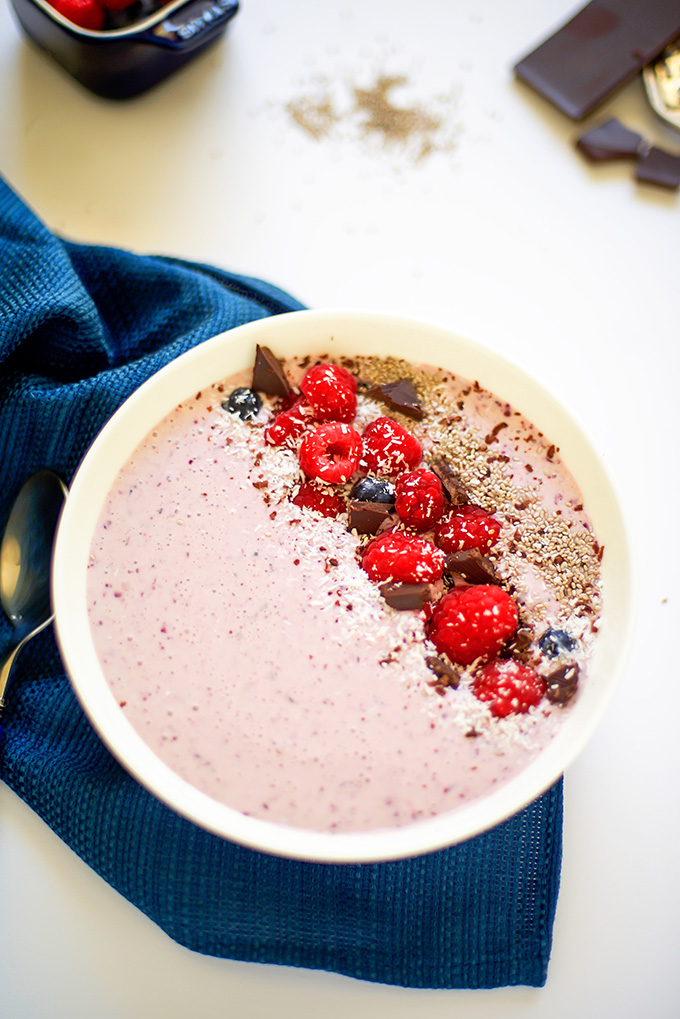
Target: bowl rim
{"x":337,"y":328}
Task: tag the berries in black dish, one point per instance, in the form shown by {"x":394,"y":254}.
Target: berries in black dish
{"x":244,"y":402}
{"x":556,"y":642}
{"x":373,"y":490}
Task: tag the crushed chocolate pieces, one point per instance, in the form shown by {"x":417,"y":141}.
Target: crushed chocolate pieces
{"x":399,"y":395}
{"x":562,"y":683}
{"x":611,"y":140}
{"x":453,"y":486}
{"x":446,"y":673}
{"x":493,"y":434}
{"x":404,"y":597}
{"x":472,"y":566}
{"x":367,"y":517}
{"x":519,"y":646}
{"x":268,"y":374}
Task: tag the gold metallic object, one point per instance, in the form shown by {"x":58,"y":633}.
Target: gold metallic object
{"x":662,"y":84}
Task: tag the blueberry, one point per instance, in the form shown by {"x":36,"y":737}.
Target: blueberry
{"x":244,"y":402}
{"x":556,"y":642}
{"x":373,"y":490}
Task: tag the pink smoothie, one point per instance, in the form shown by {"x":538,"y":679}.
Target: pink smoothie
{"x":248,"y":648}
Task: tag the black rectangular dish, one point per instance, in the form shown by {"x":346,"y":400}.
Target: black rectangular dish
{"x":122,"y":62}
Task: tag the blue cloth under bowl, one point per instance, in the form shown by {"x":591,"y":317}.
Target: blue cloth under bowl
{"x":81,"y":327}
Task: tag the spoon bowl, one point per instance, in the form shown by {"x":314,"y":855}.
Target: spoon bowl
{"x":25,"y":559}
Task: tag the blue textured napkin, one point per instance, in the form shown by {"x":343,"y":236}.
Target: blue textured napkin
{"x":80,"y":328}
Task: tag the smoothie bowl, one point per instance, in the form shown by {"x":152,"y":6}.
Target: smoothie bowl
{"x":343,"y":587}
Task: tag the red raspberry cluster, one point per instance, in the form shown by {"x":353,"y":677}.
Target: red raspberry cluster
{"x":473,"y":621}
{"x":89,"y":14}
{"x":467,"y":526}
{"x":509,"y":687}
{"x":469,"y":624}
{"x":331,"y":450}
{"x":402,"y":558}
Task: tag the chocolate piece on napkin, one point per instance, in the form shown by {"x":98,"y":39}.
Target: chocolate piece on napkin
{"x":82,"y":327}
{"x":603,"y":46}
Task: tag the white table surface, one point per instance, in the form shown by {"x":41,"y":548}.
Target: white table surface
{"x":509,"y":237}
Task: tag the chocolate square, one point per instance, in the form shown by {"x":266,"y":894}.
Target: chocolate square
{"x":611,"y":140}
{"x":401,"y":396}
{"x":367,"y":517}
{"x":406,"y":597}
{"x":656,"y":166}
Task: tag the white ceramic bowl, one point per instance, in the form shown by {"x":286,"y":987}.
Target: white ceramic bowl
{"x":335,"y":333}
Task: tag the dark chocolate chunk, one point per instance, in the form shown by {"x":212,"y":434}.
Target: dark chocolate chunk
{"x":400,"y":395}
{"x":472,"y":566}
{"x":611,"y":140}
{"x":268,"y":374}
{"x":446,"y":673}
{"x":519,"y":644}
{"x":562,"y":683}
{"x":406,"y":596}
{"x":605,"y":45}
{"x":366,"y":517}
{"x":656,"y":166}
{"x":454,"y":488}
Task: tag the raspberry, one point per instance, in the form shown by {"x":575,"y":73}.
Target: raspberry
{"x":289,"y":423}
{"x":331,"y":392}
{"x":473,"y":622}
{"x":323,"y":500}
{"x":331,"y":452}
{"x":84,"y":13}
{"x":389,"y":449}
{"x":468,"y":526}
{"x":402,"y":558}
{"x":508,"y":688}
{"x":419,"y":499}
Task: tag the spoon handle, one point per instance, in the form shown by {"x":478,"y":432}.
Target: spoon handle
{"x":6,"y":669}
{"x":8,"y":662}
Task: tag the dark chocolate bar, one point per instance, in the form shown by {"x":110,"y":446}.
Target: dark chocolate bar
{"x":605,"y":45}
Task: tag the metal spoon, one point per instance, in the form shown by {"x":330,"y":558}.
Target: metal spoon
{"x":25,"y":558}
